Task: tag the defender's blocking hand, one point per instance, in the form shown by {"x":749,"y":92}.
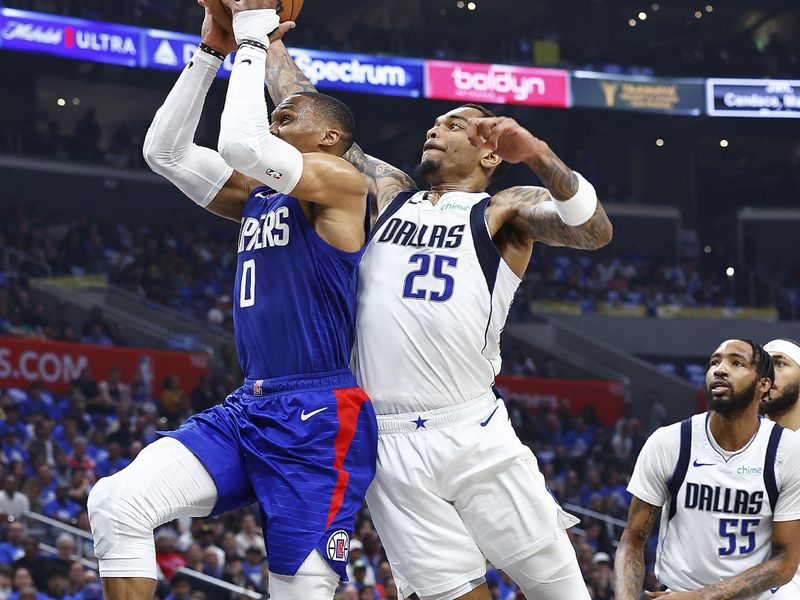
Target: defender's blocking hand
{"x":503,"y":135}
{"x":214,"y":36}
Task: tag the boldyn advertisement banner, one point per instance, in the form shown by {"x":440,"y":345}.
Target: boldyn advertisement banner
{"x":753,"y":98}
{"x":497,"y":84}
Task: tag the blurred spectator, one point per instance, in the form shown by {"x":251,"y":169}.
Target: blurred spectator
{"x":113,"y":390}
{"x":5,"y":581}
{"x":179,"y":587}
{"x":33,"y":562}
{"x":65,"y":552}
{"x":13,"y":503}
{"x":169,"y":560}
{"x":250,"y":536}
{"x":12,"y":548}
{"x":62,"y":508}
{"x":114,"y":463}
{"x":601,"y":579}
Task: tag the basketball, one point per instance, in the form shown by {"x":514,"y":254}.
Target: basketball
{"x":288,"y":10}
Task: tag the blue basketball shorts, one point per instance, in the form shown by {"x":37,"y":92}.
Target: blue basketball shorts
{"x":304,"y":447}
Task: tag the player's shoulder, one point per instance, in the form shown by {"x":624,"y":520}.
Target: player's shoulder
{"x":518,"y":195}
{"x":789,"y":447}
{"x":668,"y":438}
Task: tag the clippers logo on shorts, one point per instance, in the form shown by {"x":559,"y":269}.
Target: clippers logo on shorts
{"x":339,"y":546}
{"x":258,"y":387}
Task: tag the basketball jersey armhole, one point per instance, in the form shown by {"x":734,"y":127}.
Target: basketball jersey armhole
{"x":390,"y":209}
{"x":681,"y":467}
{"x":488,"y":254}
{"x":315,"y":238}
{"x":770,"y":482}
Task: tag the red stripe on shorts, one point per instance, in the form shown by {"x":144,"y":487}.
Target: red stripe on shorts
{"x":348,"y":401}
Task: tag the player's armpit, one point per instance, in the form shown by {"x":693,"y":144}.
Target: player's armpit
{"x":384,"y":180}
{"x":532,"y":210}
{"x":331,"y":181}
{"x":229,"y":202}
{"x":629,"y":560}
{"x":284,"y":77}
{"x":772,"y":573}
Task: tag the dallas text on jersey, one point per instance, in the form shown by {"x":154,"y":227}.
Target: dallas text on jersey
{"x":405,"y":233}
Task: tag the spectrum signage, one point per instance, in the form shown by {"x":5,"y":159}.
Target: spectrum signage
{"x":637,"y":93}
{"x":496,"y":84}
{"x":71,"y":38}
{"x":753,"y":98}
{"x":361,"y":72}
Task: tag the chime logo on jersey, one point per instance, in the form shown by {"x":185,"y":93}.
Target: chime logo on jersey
{"x":339,"y":546}
{"x":269,"y":230}
{"x":406,"y":233}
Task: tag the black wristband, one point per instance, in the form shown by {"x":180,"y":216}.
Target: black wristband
{"x":255,"y":44}
{"x":209,"y":50}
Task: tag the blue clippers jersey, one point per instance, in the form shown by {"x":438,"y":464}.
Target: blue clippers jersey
{"x":295,"y":295}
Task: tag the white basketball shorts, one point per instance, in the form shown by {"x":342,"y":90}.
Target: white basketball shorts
{"x":455,"y":487}
{"x":790,"y":591}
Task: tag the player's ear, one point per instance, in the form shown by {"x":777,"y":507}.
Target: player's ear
{"x":490,"y":160}
{"x":330,"y":138}
{"x":764,"y":386}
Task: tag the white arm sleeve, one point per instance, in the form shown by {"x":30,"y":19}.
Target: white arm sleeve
{"x":244,"y":138}
{"x":198,"y":172}
{"x":655,"y":465}
{"x":788,"y":475}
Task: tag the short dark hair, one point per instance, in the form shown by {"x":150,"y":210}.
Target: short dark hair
{"x":500,"y":169}
{"x":338,"y":115}
{"x":761,"y":359}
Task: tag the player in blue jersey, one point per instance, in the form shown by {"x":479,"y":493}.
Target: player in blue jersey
{"x":299,"y":437}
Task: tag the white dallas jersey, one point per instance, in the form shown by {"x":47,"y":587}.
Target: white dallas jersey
{"x":433,"y":298}
{"x":718,"y":506}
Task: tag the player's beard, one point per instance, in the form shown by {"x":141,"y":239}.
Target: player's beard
{"x":736,"y":404}
{"x":427,"y":168}
{"x":780,"y":404}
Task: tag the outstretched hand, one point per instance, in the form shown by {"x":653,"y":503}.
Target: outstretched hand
{"x":505,"y":137}
{"x":213,"y":35}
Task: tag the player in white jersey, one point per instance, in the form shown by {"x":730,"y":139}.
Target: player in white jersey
{"x":436,"y":283}
{"x":783,"y":408}
{"x":728,"y":488}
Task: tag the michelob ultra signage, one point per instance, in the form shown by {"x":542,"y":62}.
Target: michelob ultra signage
{"x":753,"y":98}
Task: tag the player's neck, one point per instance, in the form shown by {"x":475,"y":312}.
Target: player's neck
{"x":733,"y":433}
{"x":790,"y":418}
{"x":436,"y":192}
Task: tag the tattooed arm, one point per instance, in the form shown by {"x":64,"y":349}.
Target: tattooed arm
{"x":285,"y":78}
{"x":532,"y":210}
{"x":629,"y":560}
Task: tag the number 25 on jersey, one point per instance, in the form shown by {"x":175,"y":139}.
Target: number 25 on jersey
{"x":429,"y":288}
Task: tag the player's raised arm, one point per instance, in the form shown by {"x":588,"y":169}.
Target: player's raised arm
{"x":169,"y":148}
{"x":629,"y":561}
{"x":567,"y":213}
{"x":285,"y":78}
{"x":250,"y":144}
